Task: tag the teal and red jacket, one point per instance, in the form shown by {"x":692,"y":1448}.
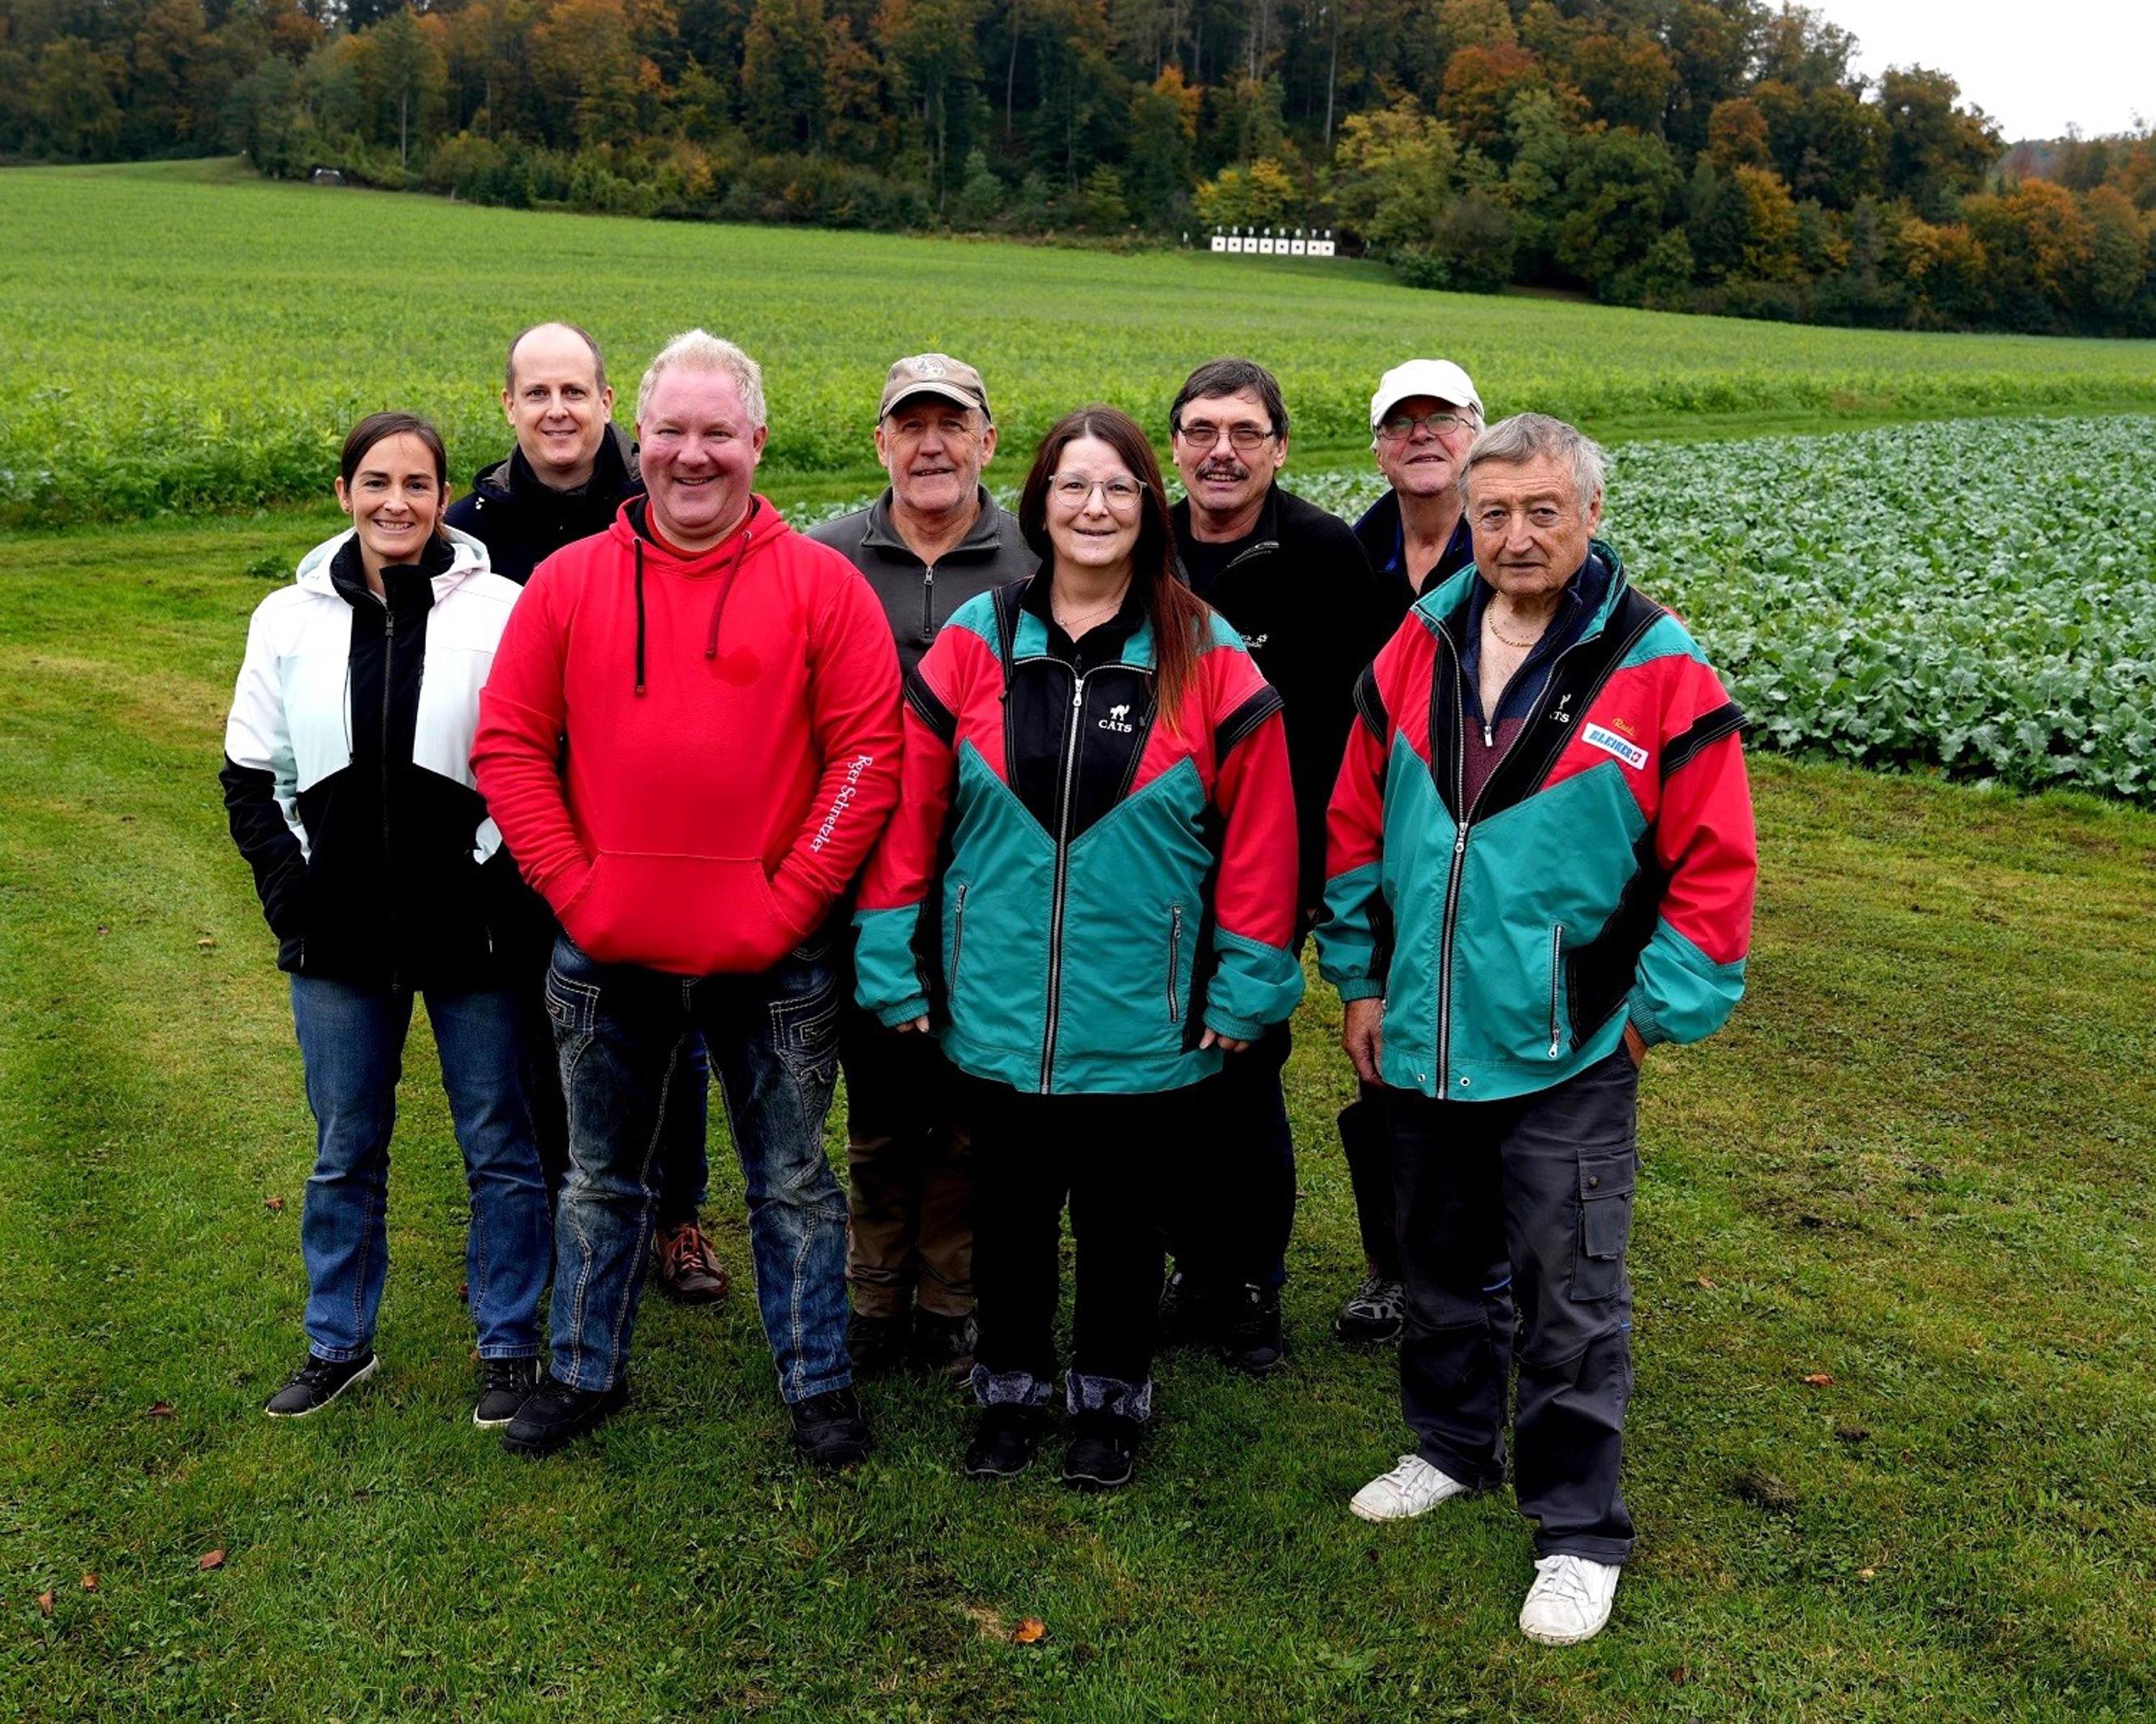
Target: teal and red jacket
{"x":1604,"y":872}
{"x":1072,"y":889}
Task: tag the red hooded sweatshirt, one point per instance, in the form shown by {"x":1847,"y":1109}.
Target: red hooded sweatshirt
{"x":689,"y":757}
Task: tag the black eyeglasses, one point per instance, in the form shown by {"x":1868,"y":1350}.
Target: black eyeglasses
{"x":1203,"y":434}
{"x":1399,"y":426}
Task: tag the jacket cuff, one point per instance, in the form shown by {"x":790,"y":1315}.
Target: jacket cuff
{"x":1236,"y":1029}
{"x":1359,"y":987}
{"x":905,"y":1012}
{"x":1642,"y":1013}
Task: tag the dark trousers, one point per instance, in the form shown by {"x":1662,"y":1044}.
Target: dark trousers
{"x":1231,"y":1228}
{"x":1366,"y":1141}
{"x":1542,"y":1184}
{"x":1109,"y":1157}
{"x":909,"y":1175}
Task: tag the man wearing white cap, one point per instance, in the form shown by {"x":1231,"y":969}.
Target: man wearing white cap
{"x":1423,"y":417}
{"x":934,"y":539}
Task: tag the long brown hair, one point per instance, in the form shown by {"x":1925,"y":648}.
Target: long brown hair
{"x":1177,"y":616}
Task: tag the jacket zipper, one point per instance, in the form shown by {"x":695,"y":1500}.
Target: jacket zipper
{"x":1062,"y":870}
{"x":1556,"y":958}
{"x":1174,"y":963}
{"x":957,"y":938}
{"x":388,"y":844}
{"x":928,"y":603}
{"x":1448,"y":927}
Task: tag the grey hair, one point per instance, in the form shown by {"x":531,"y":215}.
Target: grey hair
{"x":699,"y":350}
{"x":1526,"y":436}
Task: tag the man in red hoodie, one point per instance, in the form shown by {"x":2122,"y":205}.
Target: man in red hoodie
{"x":689,"y":740}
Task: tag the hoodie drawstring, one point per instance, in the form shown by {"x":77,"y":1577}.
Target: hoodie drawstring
{"x":639,"y":616}
{"x":719,"y":604}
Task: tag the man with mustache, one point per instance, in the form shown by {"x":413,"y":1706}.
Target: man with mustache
{"x":1295,"y":585}
{"x":934,"y":539}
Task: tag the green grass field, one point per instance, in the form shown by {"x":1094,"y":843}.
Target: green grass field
{"x":182,"y":336}
{"x":1916,"y":1164}
{"x":1891,"y":1446}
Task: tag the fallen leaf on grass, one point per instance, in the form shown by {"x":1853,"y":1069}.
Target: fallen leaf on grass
{"x":1028,"y":1632}
{"x":45,"y":1604}
{"x":1819,"y":1379}
{"x":1702,"y":1281}
{"x":159,"y":1409}
{"x":1682,"y":1675}
{"x":1866,"y":1574}
{"x":102,"y":929}
{"x":90,"y":1582}
{"x":205,"y":942}
{"x":209,"y":1560}
{"x":276,"y":1206}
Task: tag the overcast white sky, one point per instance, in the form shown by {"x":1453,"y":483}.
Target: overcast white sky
{"x":2033,"y":65}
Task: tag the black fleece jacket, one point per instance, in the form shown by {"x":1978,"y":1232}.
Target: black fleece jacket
{"x":1300,"y":591}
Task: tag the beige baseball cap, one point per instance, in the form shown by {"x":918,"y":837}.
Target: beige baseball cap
{"x":1441,"y":379}
{"x":935,"y":375}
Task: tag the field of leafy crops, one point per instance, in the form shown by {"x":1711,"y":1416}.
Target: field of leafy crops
{"x":182,"y":337}
{"x":1977,"y":596}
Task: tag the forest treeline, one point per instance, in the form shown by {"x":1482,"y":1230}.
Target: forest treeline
{"x":1702,"y":155}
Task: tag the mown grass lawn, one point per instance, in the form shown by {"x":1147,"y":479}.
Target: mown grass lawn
{"x":1915,"y":1170}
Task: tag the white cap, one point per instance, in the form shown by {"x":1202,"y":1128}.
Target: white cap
{"x":1441,"y":379}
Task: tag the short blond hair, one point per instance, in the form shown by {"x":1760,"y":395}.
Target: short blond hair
{"x":700,"y":350}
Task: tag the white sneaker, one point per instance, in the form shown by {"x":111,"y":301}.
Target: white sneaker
{"x":1569,"y":1601}
{"x":1413,"y":1487}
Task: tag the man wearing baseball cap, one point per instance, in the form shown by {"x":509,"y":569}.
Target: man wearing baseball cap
{"x":1423,"y":415}
{"x":934,"y":539}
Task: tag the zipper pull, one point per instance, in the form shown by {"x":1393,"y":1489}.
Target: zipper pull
{"x":1489,"y":735}
{"x":1459,"y":843}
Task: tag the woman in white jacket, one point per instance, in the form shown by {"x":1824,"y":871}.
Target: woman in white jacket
{"x":348,"y":779}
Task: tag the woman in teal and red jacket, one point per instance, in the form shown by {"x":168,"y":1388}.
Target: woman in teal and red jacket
{"x":1088,"y":894}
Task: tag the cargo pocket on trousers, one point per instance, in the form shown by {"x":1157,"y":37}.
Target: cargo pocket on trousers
{"x":1606,"y":1178}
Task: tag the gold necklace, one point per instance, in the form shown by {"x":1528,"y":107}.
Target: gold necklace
{"x":1489,"y":619}
{"x":1064,"y":620}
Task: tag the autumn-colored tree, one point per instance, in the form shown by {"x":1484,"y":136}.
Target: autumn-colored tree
{"x":1736,"y":135}
{"x":1769,"y":251}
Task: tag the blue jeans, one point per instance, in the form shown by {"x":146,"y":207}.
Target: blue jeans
{"x":773,"y":1039}
{"x":351,"y":1042}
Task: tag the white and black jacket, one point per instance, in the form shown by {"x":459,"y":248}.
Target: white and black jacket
{"x":347,"y":771}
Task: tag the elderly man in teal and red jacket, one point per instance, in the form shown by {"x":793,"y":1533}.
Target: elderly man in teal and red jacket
{"x":1540,"y":863}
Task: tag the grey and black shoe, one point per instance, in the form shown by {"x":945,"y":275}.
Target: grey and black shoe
{"x":316,"y":1383}
{"x":505,"y":1386}
{"x":943,"y":1347}
{"x":878,"y":1345}
{"x":1372,"y":1312}
{"x":556,"y":1414}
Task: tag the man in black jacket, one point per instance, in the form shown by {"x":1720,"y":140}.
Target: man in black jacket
{"x":569,"y":473}
{"x":1295,"y":584}
{"x":934,"y":539}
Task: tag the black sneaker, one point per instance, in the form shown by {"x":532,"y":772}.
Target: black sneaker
{"x":1100,"y":1457}
{"x":556,"y":1415}
{"x":828,"y":1429}
{"x":505,"y":1386}
{"x":943,"y":1347}
{"x":316,"y":1383}
{"x":1374,"y":1312}
{"x":1252,"y":1339}
{"x":1004,"y":1441}
{"x":1187,"y":1316}
{"x":878,"y":1344}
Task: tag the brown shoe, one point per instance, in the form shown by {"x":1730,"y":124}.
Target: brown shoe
{"x":688,"y":1273}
